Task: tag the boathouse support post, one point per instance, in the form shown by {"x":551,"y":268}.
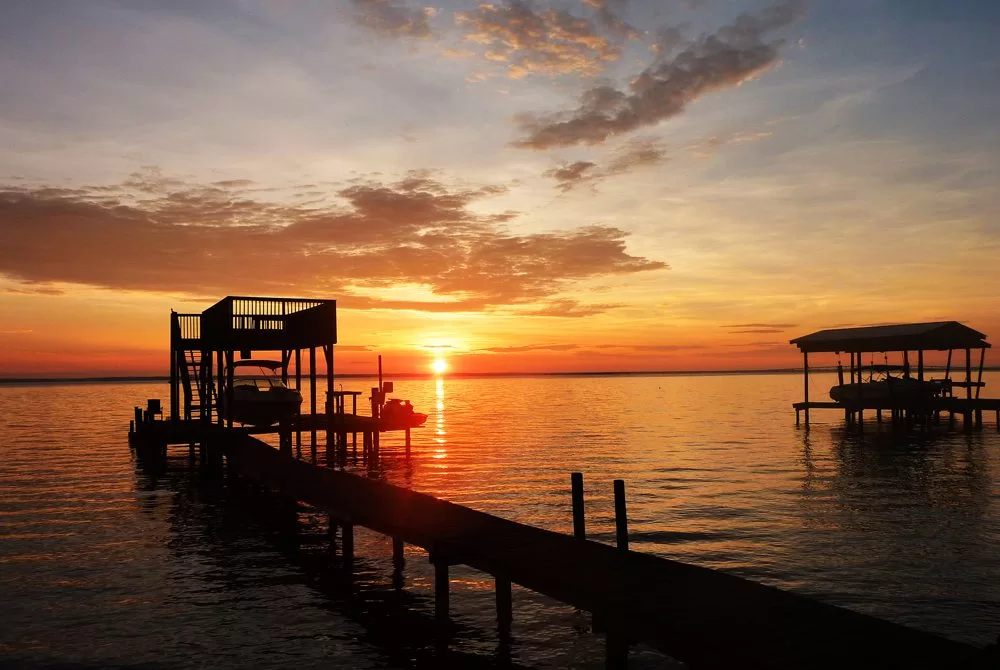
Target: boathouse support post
{"x":979,"y":377}
{"x":298,"y":387}
{"x":805,"y":383}
{"x":407,"y":442}
{"x":968,"y":373}
{"x":579,"y":520}
{"x":220,"y":371}
{"x":175,"y":396}
{"x":920,"y":365}
{"x":505,"y":608}
{"x":312,"y":399}
{"x":230,"y":373}
{"x":621,"y":515}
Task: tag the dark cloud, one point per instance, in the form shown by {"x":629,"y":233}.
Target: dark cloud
{"x":571,"y":175}
{"x":570,"y":308}
{"x":651,"y":347}
{"x":680,"y":75}
{"x":156,"y":233}
{"x":529,"y":40}
{"x":392,"y":18}
{"x":776,"y":326}
{"x":633,"y":155}
{"x":530,"y":347}
{"x":757,"y":331}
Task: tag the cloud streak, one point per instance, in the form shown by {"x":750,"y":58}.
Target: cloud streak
{"x":391,"y":18}
{"x":681,"y":74}
{"x":634,"y":155}
{"x":154,"y":233}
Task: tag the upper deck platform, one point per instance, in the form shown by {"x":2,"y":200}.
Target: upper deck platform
{"x":242,"y":323}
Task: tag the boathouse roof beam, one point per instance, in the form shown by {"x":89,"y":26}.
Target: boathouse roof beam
{"x":932,"y":336}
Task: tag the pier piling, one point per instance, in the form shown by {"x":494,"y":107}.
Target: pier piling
{"x":579,"y":520}
{"x":621,"y":515}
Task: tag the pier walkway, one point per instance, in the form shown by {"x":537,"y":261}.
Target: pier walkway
{"x":706,"y":618}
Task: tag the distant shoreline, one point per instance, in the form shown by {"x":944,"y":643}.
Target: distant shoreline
{"x":126,"y":379}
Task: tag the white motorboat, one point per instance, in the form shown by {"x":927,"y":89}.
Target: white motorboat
{"x":888,"y":389}
{"x":262,"y":399}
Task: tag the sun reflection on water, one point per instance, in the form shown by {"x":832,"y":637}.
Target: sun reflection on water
{"x":440,"y":434}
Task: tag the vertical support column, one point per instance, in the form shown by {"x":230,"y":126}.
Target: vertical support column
{"x":621,"y":515}
{"x":398,"y":559}
{"x":920,"y":364}
{"x":230,"y":355}
{"x":298,"y":387}
{"x":175,"y":396}
{"x":442,"y":604}
{"x":968,"y":374}
{"x":579,"y":520}
{"x":979,"y":377}
{"x":347,"y":543}
{"x":407,"y":442}
{"x":805,"y":383}
{"x":505,"y":608}
{"x":219,"y":390}
{"x":312,"y":397}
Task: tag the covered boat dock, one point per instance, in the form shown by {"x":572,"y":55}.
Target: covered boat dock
{"x":908,"y":343}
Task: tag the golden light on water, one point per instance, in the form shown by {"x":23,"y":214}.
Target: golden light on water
{"x":439,"y":366}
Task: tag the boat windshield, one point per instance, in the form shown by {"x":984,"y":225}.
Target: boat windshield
{"x":260,"y":383}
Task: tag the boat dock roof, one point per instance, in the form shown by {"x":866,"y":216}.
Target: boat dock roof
{"x":932,"y":336}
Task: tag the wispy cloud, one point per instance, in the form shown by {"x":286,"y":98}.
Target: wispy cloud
{"x":530,"y":347}
{"x":162,"y":234}
{"x":636,"y":154}
{"x":392,"y":18}
{"x":775,"y":326}
{"x":681,"y":74}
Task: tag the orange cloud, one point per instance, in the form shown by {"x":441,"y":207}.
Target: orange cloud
{"x":547,"y":42}
{"x":160,"y":234}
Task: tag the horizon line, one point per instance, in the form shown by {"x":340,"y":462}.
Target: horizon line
{"x":457,"y":375}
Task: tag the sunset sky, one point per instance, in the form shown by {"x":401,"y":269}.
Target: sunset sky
{"x":517,"y":186}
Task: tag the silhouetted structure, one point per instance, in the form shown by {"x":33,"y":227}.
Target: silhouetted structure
{"x":708,"y":619}
{"x":907,"y":397}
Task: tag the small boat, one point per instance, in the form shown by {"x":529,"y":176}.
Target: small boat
{"x":888,"y":389}
{"x":398,"y":414}
{"x":263,"y":399}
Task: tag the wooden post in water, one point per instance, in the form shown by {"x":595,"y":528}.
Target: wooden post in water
{"x":298,"y":387}
{"x":579,"y":520}
{"x":505,"y":608}
{"x":398,"y":559}
{"x":621,"y":515}
{"x":805,"y":381}
{"x":441,"y":594}
{"x":407,"y":442}
{"x":347,"y":541}
{"x":312,"y":399}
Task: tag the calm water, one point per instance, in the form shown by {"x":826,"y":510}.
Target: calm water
{"x":104,"y":565}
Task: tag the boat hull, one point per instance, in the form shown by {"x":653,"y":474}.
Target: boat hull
{"x":892,"y":390}
{"x":265,"y":408}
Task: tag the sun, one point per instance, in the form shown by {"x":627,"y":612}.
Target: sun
{"x":439,"y":366}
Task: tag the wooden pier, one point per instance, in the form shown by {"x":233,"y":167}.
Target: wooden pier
{"x":708,"y":619}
